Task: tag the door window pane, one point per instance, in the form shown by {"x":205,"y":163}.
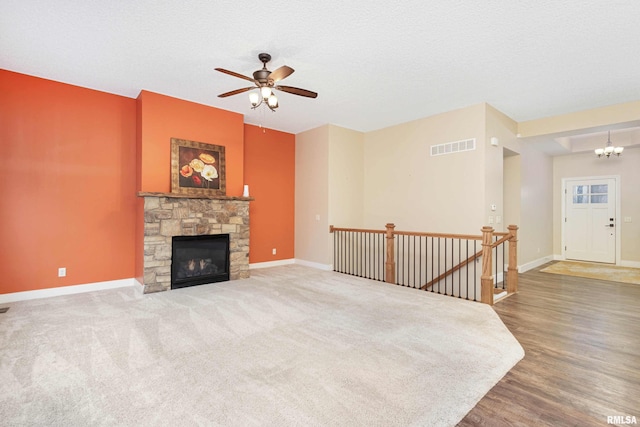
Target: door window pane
{"x":580,"y":189}
{"x":599,"y":198}
{"x":601,"y":188}
{"x":580,"y":199}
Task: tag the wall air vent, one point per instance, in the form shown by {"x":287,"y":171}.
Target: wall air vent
{"x":453,"y":147}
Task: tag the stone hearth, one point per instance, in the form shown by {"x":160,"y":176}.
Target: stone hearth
{"x":168,"y":215}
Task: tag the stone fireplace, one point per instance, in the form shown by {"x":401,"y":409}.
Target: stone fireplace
{"x":167,"y":215}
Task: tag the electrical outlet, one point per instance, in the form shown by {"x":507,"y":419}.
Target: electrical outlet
{"x":62,"y":272}
{"x":317,"y":217}
{"x":273,"y":251}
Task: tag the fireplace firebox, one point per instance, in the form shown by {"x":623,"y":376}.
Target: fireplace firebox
{"x":196,"y":260}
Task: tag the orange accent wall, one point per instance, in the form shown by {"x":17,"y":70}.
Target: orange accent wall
{"x":162,"y":117}
{"x":269,"y":164}
{"x":68,"y":184}
{"x":73,"y":160}
{"x":139,"y":233}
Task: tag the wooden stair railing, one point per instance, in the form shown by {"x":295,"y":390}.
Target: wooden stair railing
{"x":486,"y":279}
{"x":452,"y":270}
{"x":506,"y":237}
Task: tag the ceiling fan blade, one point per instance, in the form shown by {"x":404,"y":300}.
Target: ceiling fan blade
{"x":281,"y":73}
{"x":297,"y":91}
{"x":234,"y":74}
{"x":235,"y":92}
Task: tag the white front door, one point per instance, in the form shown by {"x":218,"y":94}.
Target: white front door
{"x":590,"y":221}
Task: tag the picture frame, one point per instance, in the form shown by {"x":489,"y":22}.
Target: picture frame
{"x":197,"y":168}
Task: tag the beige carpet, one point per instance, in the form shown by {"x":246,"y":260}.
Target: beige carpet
{"x":595,"y":271}
{"x":289,"y":346}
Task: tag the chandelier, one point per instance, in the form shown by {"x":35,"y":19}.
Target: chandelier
{"x":263,"y":96}
{"x":609,"y":149}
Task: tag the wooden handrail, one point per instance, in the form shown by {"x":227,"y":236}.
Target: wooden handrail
{"x":440,"y":235}
{"x":488,"y":234}
{"x":452,"y":270}
{"x":501,"y":241}
{"x":362,"y":230}
{"x":511,"y":278}
{"x":411,"y":233}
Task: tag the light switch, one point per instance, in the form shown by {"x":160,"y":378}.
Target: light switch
{"x":627,"y":219}
{"x":498,"y":219}
{"x":490,"y":219}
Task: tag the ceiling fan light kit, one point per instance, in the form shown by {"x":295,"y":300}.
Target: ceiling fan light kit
{"x":265,"y":82}
{"x":609,"y":149}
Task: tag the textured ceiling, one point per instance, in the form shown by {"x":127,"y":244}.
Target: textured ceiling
{"x":374,"y":63}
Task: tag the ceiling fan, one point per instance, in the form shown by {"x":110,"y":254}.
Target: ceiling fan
{"x":265,"y":81}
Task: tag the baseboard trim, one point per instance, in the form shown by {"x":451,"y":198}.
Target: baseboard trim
{"x":67,"y":290}
{"x":633,"y":264}
{"x":268,"y":264}
{"x":535,"y":263}
{"x":622,"y":263}
{"x":326,"y":267}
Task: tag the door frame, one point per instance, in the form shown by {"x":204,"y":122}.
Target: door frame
{"x":616,"y":178}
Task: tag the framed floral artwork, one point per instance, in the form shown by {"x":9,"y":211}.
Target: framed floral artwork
{"x":197,"y":168}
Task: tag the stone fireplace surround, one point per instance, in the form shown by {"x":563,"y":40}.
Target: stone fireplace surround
{"x":167,"y":215}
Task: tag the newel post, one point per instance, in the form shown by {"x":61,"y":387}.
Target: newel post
{"x":390,"y":266}
{"x":512,"y":269}
{"x":486,"y":280}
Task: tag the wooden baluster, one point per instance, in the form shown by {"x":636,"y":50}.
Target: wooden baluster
{"x":512,"y":270}
{"x":390,"y":266}
{"x":486,"y":280}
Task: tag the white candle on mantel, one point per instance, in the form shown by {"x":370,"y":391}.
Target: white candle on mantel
{"x":245,"y":193}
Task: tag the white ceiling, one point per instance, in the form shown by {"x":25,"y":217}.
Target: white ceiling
{"x":374,"y":63}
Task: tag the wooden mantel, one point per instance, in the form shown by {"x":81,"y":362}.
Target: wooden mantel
{"x":193,"y":196}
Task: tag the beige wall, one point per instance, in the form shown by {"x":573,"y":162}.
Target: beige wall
{"x":404,"y":185}
{"x":536,"y":206}
{"x":329,"y":189}
{"x":499,"y":126}
{"x":620,"y":113}
{"x":352,"y":179}
{"x":511,"y":184}
{"x":527,"y":197}
{"x":627,"y":167}
{"x":346,"y":180}
{"x":312,"y":195}
{"x":346,"y":177}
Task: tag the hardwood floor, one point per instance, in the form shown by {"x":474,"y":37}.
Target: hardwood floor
{"x":582,"y":354}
